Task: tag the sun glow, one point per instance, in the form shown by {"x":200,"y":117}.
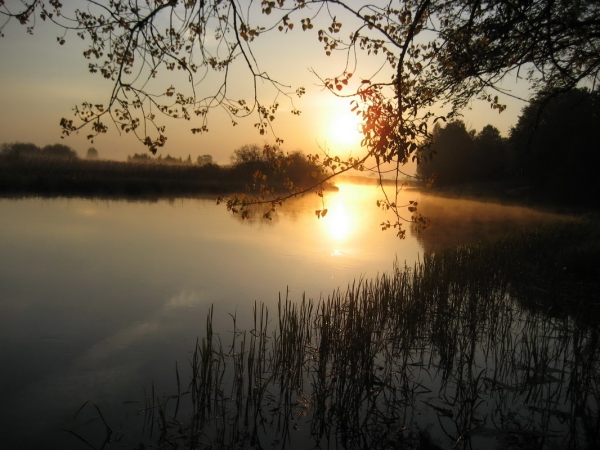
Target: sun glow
{"x":344,"y":130}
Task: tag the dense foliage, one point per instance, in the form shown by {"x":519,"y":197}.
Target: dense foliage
{"x":269,"y":161}
{"x":554,"y":148}
{"x":556,"y":145}
{"x":458,"y":155}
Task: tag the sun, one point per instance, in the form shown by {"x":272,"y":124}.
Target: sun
{"x":344,"y":130}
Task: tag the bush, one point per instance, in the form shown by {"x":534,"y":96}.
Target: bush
{"x":59,"y":151}
{"x":21,"y":149}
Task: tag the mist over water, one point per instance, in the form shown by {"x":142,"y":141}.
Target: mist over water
{"x":100,"y":298}
{"x":463,"y":221}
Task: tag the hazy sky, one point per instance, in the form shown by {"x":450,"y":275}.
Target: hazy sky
{"x":42,"y":81}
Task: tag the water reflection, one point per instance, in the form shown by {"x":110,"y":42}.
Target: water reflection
{"x":99,"y":297}
{"x":413,"y":360}
{"x":338,"y":221}
{"x":350,"y":212}
{"x":463,"y":221}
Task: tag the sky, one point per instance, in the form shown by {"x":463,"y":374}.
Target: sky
{"x":41,"y":81}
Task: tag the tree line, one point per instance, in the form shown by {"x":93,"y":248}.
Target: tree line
{"x":27,"y":169}
{"x":202,"y":160}
{"x":554,"y":148}
{"x":30,"y":150}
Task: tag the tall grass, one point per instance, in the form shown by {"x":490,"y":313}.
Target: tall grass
{"x":458,"y":351}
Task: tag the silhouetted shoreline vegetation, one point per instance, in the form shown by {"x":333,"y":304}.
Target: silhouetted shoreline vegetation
{"x":550,"y":157}
{"x":514,"y":192}
{"x":42,"y":174}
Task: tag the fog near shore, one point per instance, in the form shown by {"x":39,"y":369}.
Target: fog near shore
{"x":460,"y":221}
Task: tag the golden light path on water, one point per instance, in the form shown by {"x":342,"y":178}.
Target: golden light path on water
{"x":339,"y":222}
{"x":346,"y":219}
{"x":330,"y":252}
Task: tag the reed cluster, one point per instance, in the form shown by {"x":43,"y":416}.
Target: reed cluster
{"x":457,"y":351}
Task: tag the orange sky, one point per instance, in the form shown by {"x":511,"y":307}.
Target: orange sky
{"x":42,"y":81}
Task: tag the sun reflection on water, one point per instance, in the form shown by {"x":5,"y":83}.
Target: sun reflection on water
{"x":344,"y":219}
{"x":339,"y":222}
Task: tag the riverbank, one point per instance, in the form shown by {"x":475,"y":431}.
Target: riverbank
{"x":62,"y":177}
{"x":53,"y":177}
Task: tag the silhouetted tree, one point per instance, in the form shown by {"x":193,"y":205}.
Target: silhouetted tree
{"x":285,"y":171}
{"x":92,"y":153}
{"x":451,"y":153}
{"x":457,"y":155}
{"x":556,"y":145}
{"x":204,"y":160}
{"x":59,"y":151}
{"x":490,"y":154}
{"x":248,"y":153}
{"x":21,"y":149}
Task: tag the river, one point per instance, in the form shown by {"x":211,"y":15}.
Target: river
{"x":100,"y":298}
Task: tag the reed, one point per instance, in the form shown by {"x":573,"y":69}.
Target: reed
{"x":455,"y":352}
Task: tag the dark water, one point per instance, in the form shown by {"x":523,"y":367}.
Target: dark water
{"x":99,"y":299}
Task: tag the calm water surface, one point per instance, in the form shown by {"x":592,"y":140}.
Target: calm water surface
{"x":100,"y":298}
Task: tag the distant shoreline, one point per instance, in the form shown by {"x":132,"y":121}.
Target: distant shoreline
{"x":22,"y":177}
{"x":56,"y":177}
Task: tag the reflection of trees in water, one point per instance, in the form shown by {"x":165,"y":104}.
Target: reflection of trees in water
{"x":442,"y":354}
{"x":459,"y":221}
{"x":453,"y":221}
{"x":293,"y":209}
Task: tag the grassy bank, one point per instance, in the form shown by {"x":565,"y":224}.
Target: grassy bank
{"x":23,"y":176}
{"x":494,"y":345}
